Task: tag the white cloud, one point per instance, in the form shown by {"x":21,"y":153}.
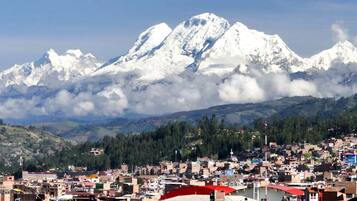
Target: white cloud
{"x":240,"y":88}
{"x":179,"y":93}
{"x":176,"y":93}
{"x":302,"y":88}
{"x":112,"y":101}
{"x":109,"y":102}
{"x":83,"y":108}
{"x":340,"y":33}
{"x":19,"y":108}
{"x":281,"y":85}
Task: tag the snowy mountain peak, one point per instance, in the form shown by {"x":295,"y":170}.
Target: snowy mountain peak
{"x":179,"y":48}
{"x":202,"y":19}
{"x":64,"y":60}
{"x":239,"y":26}
{"x":51,"y":52}
{"x":343,"y":52}
{"x":147,"y":40}
{"x":48,"y":57}
{"x":344,"y":44}
{"x":241,"y":45}
{"x":195,"y":35}
{"x":145,"y":43}
{"x":51,"y":67}
{"x":75,"y":52}
{"x":185,"y":45}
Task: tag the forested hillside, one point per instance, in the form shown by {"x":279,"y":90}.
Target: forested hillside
{"x":208,"y":137}
{"x":233,"y":114}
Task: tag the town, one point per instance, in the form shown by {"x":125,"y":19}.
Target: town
{"x":178,"y":100}
{"x":301,"y":172}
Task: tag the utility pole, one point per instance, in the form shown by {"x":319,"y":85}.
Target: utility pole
{"x":253,"y":190}
{"x":258,"y":192}
{"x":175,"y":155}
{"x":176,"y":166}
{"x":266,"y":140}
{"x":266,"y":161}
{"x":21,"y":163}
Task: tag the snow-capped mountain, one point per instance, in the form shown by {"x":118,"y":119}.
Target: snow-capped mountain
{"x":205,"y":43}
{"x":343,"y":52}
{"x":240,"y":45}
{"x":51,"y":69}
{"x":208,"y":44}
{"x":179,"y":50}
{"x":203,"y":61}
{"x":146,"y":42}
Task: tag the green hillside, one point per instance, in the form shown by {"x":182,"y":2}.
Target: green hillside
{"x":233,"y":114}
{"x":28,"y":143}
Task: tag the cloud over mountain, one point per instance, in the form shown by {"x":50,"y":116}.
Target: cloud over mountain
{"x":339,"y":32}
{"x":202,"y":62}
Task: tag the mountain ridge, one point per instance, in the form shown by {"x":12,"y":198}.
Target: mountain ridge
{"x":153,"y":38}
{"x":201,"y":62}
{"x":232,"y":114}
{"x":69,"y":65}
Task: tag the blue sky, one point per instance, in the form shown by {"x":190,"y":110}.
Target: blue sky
{"x":107,"y":28}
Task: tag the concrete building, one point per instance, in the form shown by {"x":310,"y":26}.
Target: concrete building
{"x":38,"y":176}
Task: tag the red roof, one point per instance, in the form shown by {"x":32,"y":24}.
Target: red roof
{"x":89,"y":184}
{"x":196,"y":190}
{"x":287,"y":189}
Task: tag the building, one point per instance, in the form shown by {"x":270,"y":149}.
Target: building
{"x":96,"y":151}
{"x":5,"y":195}
{"x":350,"y":187}
{"x":313,"y":194}
{"x":7,"y":182}
{"x":351,"y":159}
{"x":334,"y":194}
{"x":38,"y":176}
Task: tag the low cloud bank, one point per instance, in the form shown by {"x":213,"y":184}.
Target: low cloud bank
{"x":183,"y":92}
